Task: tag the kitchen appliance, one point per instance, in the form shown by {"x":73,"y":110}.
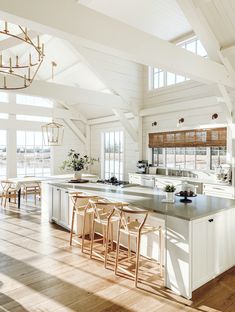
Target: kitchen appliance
{"x":114,"y":181}
{"x":142,"y":166}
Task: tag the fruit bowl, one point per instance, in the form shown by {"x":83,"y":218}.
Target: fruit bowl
{"x":185,"y":195}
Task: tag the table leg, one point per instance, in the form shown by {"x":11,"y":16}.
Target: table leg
{"x":19,"y":195}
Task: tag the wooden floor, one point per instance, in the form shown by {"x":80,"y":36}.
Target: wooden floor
{"x":40,"y":272}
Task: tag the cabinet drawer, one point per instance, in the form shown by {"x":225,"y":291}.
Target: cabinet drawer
{"x":225,"y":191}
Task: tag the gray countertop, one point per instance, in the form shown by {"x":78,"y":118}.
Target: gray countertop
{"x":150,"y":199}
{"x":181,"y":178}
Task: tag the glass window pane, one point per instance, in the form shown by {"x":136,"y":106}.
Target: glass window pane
{"x":170,"y":157}
{"x":170,"y":79}
{"x":200,"y":49}
{"x":201,"y":158}
{"x":3,"y":153}
{"x":180,"y":78}
{"x":161,"y":79}
{"x":189,"y":157}
{"x":113,"y":154}
{"x":179,"y":157}
{"x":191,"y":46}
{"x":33,"y":159}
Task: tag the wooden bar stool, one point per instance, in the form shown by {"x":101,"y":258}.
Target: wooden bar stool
{"x":81,"y":207}
{"x":133,"y":224}
{"x":104,"y":215}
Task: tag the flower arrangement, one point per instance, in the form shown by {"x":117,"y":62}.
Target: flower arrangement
{"x":75,"y":162}
{"x":169,"y":188}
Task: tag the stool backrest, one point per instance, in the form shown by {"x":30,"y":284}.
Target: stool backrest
{"x":104,"y":209}
{"x":81,"y":200}
{"x":130,"y":218}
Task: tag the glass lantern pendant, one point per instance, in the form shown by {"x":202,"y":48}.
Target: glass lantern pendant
{"x":53,"y":134}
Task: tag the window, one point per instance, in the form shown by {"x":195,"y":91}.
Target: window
{"x":4,"y":116}
{"x":113,"y":154}
{"x":3,"y":154}
{"x":160,"y":78}
{"x":199,"y":158}
{"x":218,"y":156}
{"x":33,"y":118}
{"x":33,"y":159}
{"x":4,"y":97}
{"x":33,"y":100}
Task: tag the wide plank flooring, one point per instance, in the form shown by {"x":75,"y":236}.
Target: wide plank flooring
{"x":40,"y":272}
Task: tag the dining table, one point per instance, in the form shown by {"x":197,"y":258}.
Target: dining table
{"x":20,"y":182}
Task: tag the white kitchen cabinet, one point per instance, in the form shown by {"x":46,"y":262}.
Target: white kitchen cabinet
{"x":162,"y":182}
{"x":56,"y":198}
{"x":64,"y":207}
{"x":61,"y":207}
{"x":135,"y":178}
{"x":212,"y":247}
{"x":224,"y":191}
{"x":147,"y":181}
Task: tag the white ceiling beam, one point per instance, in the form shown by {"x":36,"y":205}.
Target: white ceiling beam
{"x":108,"y":119}
{"x":75,"y":130}
{"x":126,"y":124}
{"x":74,"y":112}
{"x":228,"y":51}
{"x":38,"y":111}
{"x":12,"y":42}
{"x":110,"y":36}
{"x":73,"y":95}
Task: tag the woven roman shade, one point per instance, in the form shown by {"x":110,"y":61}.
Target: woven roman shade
{"x":187,"y":138}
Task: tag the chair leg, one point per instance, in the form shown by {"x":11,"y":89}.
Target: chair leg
{"x":92,"y":237}
{"x":106,"y":244}
{"x":117,"y":248}
{"x":137,"y":259}
{"x":83,"y":230}
{"x":71,"y":230}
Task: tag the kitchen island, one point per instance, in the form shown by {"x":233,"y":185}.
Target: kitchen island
{"x":199,"y":237}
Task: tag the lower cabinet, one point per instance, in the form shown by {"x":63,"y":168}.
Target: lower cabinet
{"x":224,"y":191}
{"x":213,"y":248}
{"x":61,"y":207}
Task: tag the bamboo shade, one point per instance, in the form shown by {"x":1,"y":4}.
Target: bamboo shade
{"x":187,"y":138}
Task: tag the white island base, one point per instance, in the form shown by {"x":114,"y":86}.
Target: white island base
{"x":196,"y":250}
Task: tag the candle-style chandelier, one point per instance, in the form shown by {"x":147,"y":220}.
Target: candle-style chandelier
{"x":17,"y":72}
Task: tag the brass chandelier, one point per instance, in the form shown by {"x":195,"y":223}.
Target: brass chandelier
{"x":18,"y":74}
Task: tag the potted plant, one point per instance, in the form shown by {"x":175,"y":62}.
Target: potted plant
{"x":77,"y":163}
{"x":169,"y":189}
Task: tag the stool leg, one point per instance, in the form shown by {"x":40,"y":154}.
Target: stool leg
{"x":71,"y":231}
{"x":92,"y":237}
{"x":137,"y":259}
{"x":129,"y":246}
{"x":83,"y":230}
{"x":111,"y":236}
{"x":117,"y":248}
{"x":106,"y":245}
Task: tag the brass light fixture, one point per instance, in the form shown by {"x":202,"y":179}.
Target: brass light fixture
{"x":53,"y":133}
{"x":15,"y":73}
